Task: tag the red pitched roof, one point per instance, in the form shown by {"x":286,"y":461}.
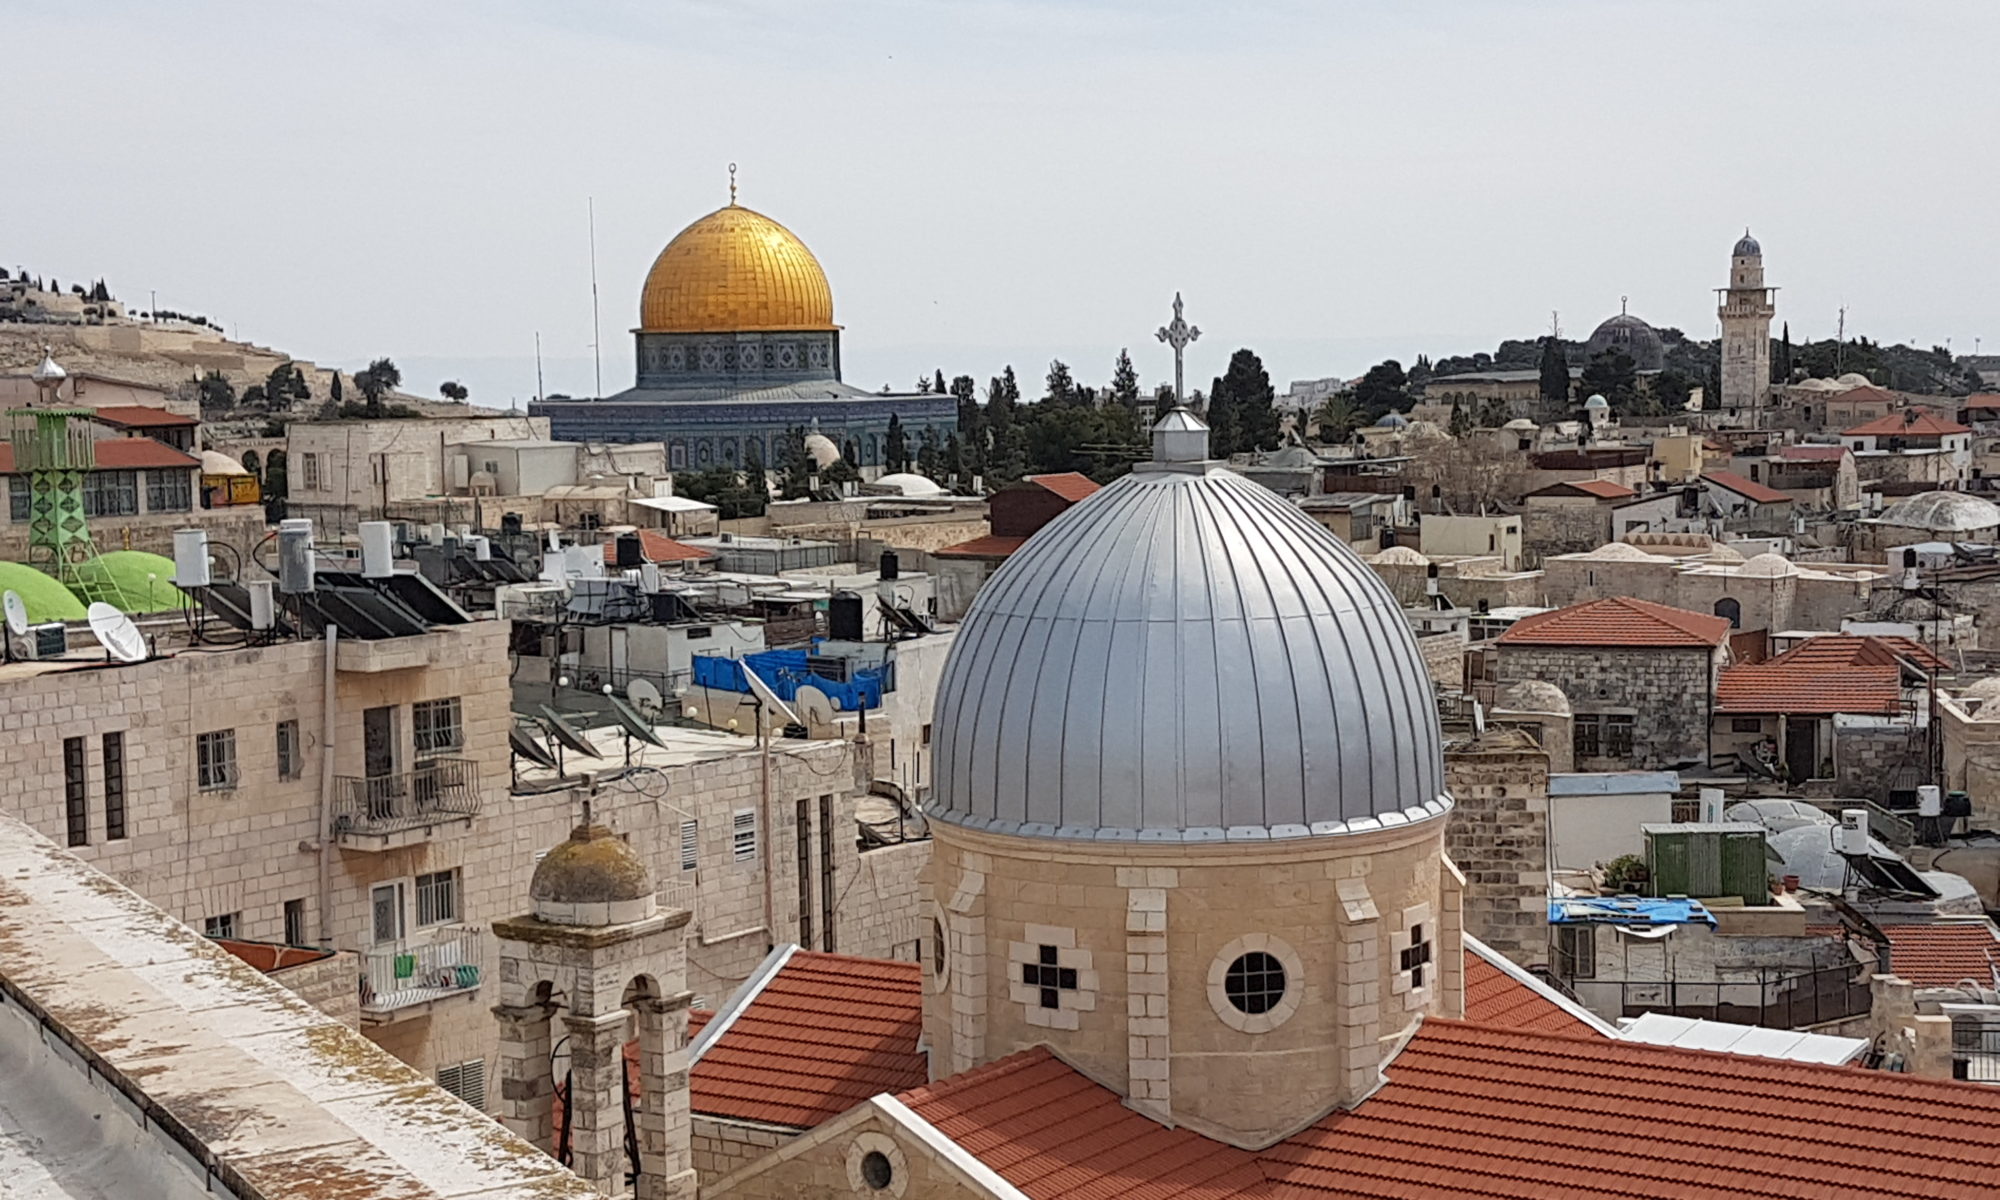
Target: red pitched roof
{"x":270,"y":956}
{"x":990,"y":546}
{"x":1475,"y":1111}
{"x":123,"y":454}
{"x":1603,"y":489}
{"x":1810,"y":453}
{"x":1069,"y":485}
{"x":1941,"y":953}
{"x":659,"y":548}
{"x":1910,"y":422}
{"x":1747,"y":488}
{"x":1493,"y":997}
{"x":141,"y":415}
{"x":1853,"y":650}
{"x":1981,"y":400}
{"x":1804,"y":687}
{"x":826,"y":1033}
{"x":1618,"y":621}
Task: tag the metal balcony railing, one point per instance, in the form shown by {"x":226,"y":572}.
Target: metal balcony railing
{"x":442,"y":789}
{"x":430,"y":966}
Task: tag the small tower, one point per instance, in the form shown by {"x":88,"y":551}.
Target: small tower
{"x":598,"y":950}
{"x":54,"y":449}
{"x":1745,"y":308}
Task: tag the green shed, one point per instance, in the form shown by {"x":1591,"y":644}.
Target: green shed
{"x":1708,"y":861}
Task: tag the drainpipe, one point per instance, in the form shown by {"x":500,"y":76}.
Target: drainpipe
{"x":327,"y":725}
{"x":769,"y":832}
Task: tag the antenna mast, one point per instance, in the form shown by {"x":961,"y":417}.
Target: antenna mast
{"x":539,"y":394}
{"x":1840,"y":341}
{"x":596,"y":335}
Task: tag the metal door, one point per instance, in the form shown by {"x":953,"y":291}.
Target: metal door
{"x":378,"y":761}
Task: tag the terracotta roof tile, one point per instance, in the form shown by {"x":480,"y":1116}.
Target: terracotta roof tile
{"x":141,"y":415}
{"x":1981,"y":400}
{"x":1941,"y":953}
{"x":1809,"y":453}
{"x":1618,"y":621}
{"x":123,"y":454}
{"x":1747,"y":488}
{"x":1854,"y":650}
{"x":1910,"y":422}
{"x":990,"y":546}
{"x":1778,"y":686}
{"x":1475,"y":1111}
{"x":659,"y":548}
{"x":1493,"y":997}
{"x":1070,"y":485}
{"x":1603,"y":489}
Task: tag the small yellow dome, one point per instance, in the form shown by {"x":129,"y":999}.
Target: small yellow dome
{"x":735,"y":271}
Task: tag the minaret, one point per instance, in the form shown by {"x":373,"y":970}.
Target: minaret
{"x":1745,"y":308}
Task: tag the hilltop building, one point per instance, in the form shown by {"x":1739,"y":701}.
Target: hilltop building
{"x":737,"y":349}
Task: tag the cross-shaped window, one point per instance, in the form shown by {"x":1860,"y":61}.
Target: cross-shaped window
{"x":1417,"y":956}
{"x":1050,"y":978}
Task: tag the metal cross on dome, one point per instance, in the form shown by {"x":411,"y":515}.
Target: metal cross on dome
{"x":1178,"y":334}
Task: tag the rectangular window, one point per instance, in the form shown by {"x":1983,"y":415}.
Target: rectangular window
{"x":215,"y":760}
{"x":467,"y":1081}
{"x":110,"y":493}
{"x":223,"y":926}
{"x":926,"y":739}
{"x":435,"y":726}
{"x":169,"y":491}
{"x":1746,"y":724}
{"x":1576,"y":952}
{"x":1618,"y":735}
{"x":17,"y":498}
{"x":1589,"y":743}
{"x":1418,"y":956}
{"x":290,"y":762}
{"x":437,"y":897}
{"x":114,"y":786}
{"x":826,"y":898}
{"x":385,"y":912}
{"x":295,"y":923}
{"x":76,"y":799}
{"x":690,"y":845}
{"x":309,"y":471}
{"x":1684,"y":810}
{"x":743,"y":834}
{"x":803,"y":813}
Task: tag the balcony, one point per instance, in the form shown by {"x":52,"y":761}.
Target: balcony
{"x":389,"y":812}
{"x":408,"y":978}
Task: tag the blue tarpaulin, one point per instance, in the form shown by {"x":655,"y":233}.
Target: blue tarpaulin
{"x":785,"y":671}
{"x":1628,"y":910}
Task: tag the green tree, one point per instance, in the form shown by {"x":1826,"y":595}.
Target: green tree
{"x":377,"y":380}
{"x":1493,"y":413}
{"x":937,"y":385}
{"x":1781,"y":362}
{"x":1248,"y":398}
{"x":333,"y":392}
{"x":1555,"y":374}
{"x":1225,"y":428}
{"x":217,"y":394}
{"x":1337,"y":418}
{"x":895,"y":447}
{"x":1124,"y":390}
{"x":276,"y":485}
{"x":451,"y":389}
{"x":930,"y":458}
{"x":1610,"y":374}
{"x":1671,"y":390}
{"x":1061,"y":387}
{"x":1461,"y":421}
{"x":1383,"y":389}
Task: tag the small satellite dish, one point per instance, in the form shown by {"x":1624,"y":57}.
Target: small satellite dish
{"x":116,"y":633}
{"x":646,"y":698}
{"x":17,"y":613}
{"x":769,"y":699}
{"x":814,"y":706}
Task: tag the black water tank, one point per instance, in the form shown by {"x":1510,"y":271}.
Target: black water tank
{"x":890,"y":565}
{"x":510,"y":523}
{"x":630,"y":553}
{"x":843,"y":617}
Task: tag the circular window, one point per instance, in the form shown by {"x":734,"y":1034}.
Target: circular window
{"x":876,"y":1170}
{"x":1255,"y":983}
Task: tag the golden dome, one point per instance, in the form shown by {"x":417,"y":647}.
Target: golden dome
{"x":735,"y":271}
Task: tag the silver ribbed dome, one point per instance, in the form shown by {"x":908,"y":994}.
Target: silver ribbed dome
{"x":1184,"y":656}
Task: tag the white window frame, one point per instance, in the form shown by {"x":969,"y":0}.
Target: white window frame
{"x":209,"y":775}
{"x":743,"y":835}
{"x":402,"y":889}
{"x":309,"y":471}
{"x":424,"y":895}
{"x":223,"y":925}
{"x":290,"y":748}
{"x":690,"y":845}
{"x":430,"y":737}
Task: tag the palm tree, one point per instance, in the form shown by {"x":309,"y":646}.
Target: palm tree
{"x":1337,"y":418}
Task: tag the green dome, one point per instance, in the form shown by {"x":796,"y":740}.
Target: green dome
{"x":47,"y":600}
{"x":126,"y":571}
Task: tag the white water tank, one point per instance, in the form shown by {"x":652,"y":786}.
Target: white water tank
{"x":263,"y":604}
{"x":191,"y":557}
{"x":482,"y":548}
{"x":378,"y":549}
{"x":295,"y":556}
{"x":1930,"y":800}
{"x":1711,"y":806}
{"x":1851,"y":835}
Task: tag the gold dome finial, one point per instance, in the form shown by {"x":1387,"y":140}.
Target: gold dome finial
{"x":732,"y":183}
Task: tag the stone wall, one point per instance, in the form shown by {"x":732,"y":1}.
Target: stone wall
{"x":1550,"y":529}
{"x":723,"y":1146}
{"x":1498,"y":836}
{"x":328,"y":985}
{"x":827,"y":1162}
{"x":1668,"y":692}
{"x":880,"y":914}
{"x":1444,"y":659}
{"x":1869,"y":760}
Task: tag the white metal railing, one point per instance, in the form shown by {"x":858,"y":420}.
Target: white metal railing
{"x":443,"y":962}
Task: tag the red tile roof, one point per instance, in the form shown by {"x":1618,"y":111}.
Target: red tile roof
{"x":1941,"y":953}
{"x":826,"y":1033}
{"x":1981,"y":400}
{"x":1475,"y":1111}
{"x":123,"y":454}
{"x":1781,"y":687}
{"x":1747,"y":488}
{"x":140,"y":415}
{"x":1853,"y":650}
{"x":1069,"y":485}
{"x":1810,"y":453}
{"x":990,"y":546}
{"x":1493,"y":997}
{"x":659,"y":548}
{"x":1603,"y":489}
{"x":1618,"y":621}
{"x":270,"y":956}
{"x":1910,"y":422}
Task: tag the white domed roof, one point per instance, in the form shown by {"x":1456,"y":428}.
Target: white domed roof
{"x":1721,"y":553}
{"x":215,"y":462}
{"x":910,"y":483}
{"x":1522,"y":424}
{"x":1531,"y":695}
{"x":824,"y":452}
{"x":1392,"y":420}
{"x":1185,"y":657}
{"x":1401,"y":556}
{"x":1620,"y":552}
{"x":1987,"y":689}
{"x":1942,"y":512}
{"x":1597,"y":402}
{"x":1766,"y":566}
{"x":1854,"y":379}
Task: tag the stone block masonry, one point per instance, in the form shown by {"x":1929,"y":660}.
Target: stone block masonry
{"x":1498,"y":836}
{"x":1667,"y":692}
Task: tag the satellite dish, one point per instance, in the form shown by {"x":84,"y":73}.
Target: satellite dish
{"x":814,"y":706}
{"x":645,"y":697}
{"x":17,"y":613}
{"x":769,"y":699}
{"x":116,"y":633}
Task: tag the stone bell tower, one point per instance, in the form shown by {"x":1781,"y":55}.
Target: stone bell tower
{"x":601,"y":958}
{"x":1745,"y":309}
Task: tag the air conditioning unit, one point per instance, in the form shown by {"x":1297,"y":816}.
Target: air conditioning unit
{"x":45,"y":641}
{"x":1851,"y":835}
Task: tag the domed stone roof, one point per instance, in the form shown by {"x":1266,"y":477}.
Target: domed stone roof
{"x":1767,"y":565}
{"x":594,"y":878}
{"x":908,"y":483}
{"x":1628,"y":335}
{"x":1985,"y":689}
{"x":1942,"y":512}
{"x":1723,"y":554}
{"x":735,"y":271}
{"x":1597,"y":401}
{"x":824,"y":452}
{"x":1185,"y":657}
{"x":215,"y":462}
{"x":1401,"y":556}
{"x":1392,"y":420}
{"x":1521,"y":424}
{"x":1620,"y":552}
{"x":1747,"y":247}
{"x":1531,"y":695}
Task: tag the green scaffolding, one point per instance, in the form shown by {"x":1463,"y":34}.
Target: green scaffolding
{"x":55,"y":449}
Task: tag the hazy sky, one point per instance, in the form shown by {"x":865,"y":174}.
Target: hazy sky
{"x":993,"y":181}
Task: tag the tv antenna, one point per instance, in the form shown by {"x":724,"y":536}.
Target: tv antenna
{"x":646,"y":698}
{"x":115,"y":631}
{"x":17,"y":614}
{"x":596,"y":333}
